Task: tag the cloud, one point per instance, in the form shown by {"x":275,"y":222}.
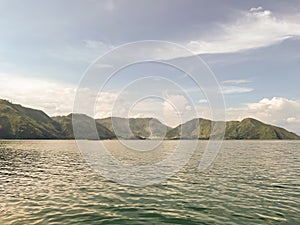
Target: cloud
{"x":256,"y":9}
{"x":278,"y":111}
{"x":94,"y":44}
{"x":292,"y":120}
{"x":105,"y":105}
{"x":175,"y":109}
{"x":236,"y":81}
{"x":254,"y":29}
{"x":171,"y":110}
{"x":99,"y":65}
{"x":57,"y":99}
{"x":201,"y":101}
{"x":52,"y":97}
{"x":235,"y":90}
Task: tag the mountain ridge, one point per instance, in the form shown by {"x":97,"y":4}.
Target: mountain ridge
{"x":18,"y":122}
{"x":247,"y":129}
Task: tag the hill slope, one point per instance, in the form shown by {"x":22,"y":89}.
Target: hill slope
{"x":247,"y":129}
{"x":20,"y":122}
{"x":86,"y":126}
{"x":135,"y":128}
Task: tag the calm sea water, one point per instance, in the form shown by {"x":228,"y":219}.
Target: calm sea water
{"x":251,"y":182}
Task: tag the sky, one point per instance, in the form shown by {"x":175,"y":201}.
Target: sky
{"x":252,"y":48}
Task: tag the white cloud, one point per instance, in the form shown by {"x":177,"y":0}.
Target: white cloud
{"x":236,"y":81}
{"x":99,"y":65}
{"x":174,"y":107}
{"x":171,"y":110}
{"x":94,"y":44}
{"x":52,"y":97}
{"x":254,"y":29}
{"x":203,"y":101}
{"x":57,"y":99}
{"x":178,"y":109}
{"x":292,"y":120}
{"x":256,"y":9}
{"x":105,"y":106}
{"x":232,"y":87}
{"x":49,"y":96}
{"x":278,"y":111}
{"x":235,"y":90}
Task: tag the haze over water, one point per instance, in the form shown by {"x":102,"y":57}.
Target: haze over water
{"x":251,"y":182}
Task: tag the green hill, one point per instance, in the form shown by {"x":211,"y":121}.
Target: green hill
{"x":247,"y":129}
{"x":18,"y":122}
{"x":85,"y":126}
{"x":135,"y":128}
{"x":193,"y":129}
{"x":253,"y":129}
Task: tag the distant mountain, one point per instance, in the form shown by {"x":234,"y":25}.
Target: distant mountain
{"x":193,"y":129}
{"x":247,"y":129}
{"x":18,"y":122}
{"x":135,"y":128}
{"x":253,"y":129}
{"x":86,"y":126}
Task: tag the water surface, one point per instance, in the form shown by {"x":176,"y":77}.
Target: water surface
{"x":251,"y":182}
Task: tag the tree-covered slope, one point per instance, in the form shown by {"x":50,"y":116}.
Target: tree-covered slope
{"x":253,"y":129}
{"x":135,"y":128}
{"x":247,"y":129}
{"x":85,"y":127}
{"x":20,"y":122}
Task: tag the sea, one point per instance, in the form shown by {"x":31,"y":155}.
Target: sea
{"x":249,"y":182}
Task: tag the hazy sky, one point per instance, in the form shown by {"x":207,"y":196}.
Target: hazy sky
{"x":252,"y":47}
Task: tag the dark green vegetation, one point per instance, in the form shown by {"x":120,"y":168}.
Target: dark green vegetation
{"x":247,"y":129}
{"x":135,"y":128}
{"x":18,"y":122}
{"x":85,"y":125}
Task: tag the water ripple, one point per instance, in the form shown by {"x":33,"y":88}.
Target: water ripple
{"x":251,"y":182}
